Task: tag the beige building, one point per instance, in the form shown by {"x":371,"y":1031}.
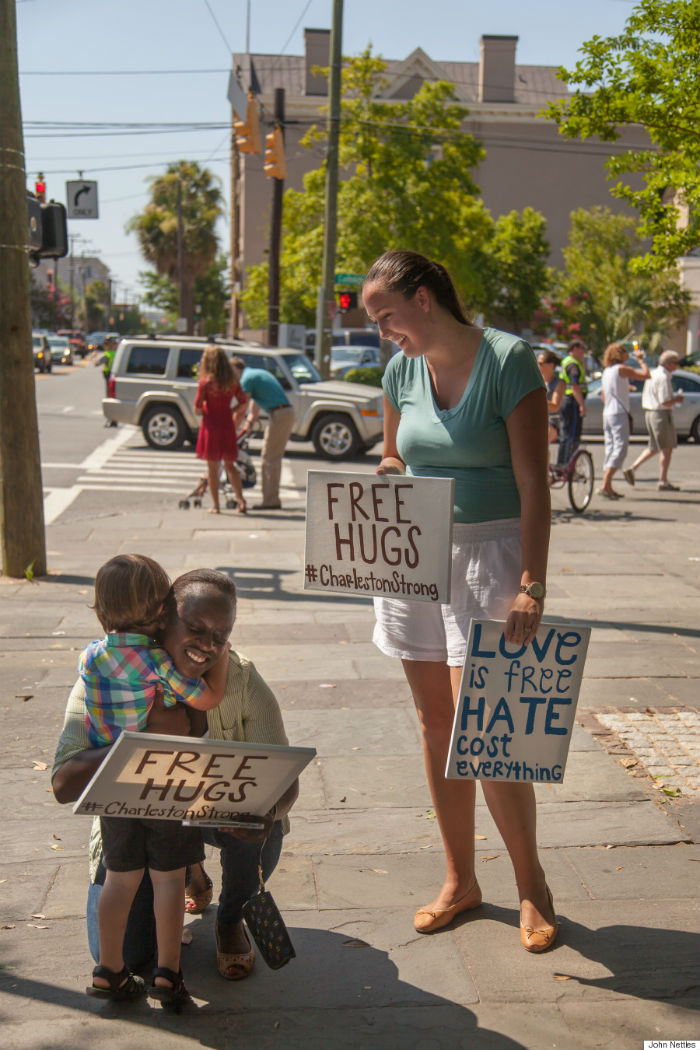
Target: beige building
{"x":527,"y":161}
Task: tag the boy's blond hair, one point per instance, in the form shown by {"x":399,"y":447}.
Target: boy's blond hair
{"x":130,"y":590}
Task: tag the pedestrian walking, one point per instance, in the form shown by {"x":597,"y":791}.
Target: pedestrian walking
{"x":469,"y":404}
{"x":265,"y":392}
{"x":573,"y":406}
{"x":109,"y":349}
{"x":615,"y":392}
{"x":658,"y":401}
{"x":217,"y":442}
{"x":548,"y":364}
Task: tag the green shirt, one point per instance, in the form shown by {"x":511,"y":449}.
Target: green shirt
{"x":468,"y":442}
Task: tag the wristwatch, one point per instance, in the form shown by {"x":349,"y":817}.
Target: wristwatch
{"x":534,"y":590}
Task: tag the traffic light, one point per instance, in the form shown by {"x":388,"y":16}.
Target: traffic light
{"x":248,"y":130}
{"x":47,"y":233}
{"x":347,"y":301}
{"x":40,"y":188}
{"x":275,"y":164}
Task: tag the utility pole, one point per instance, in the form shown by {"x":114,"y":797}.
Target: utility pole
{"x":234,"y":322}
{"x":273,"y":286}
{"x":21,"y":496}
{"x":324,"y":335}
{"x":180,"y":259}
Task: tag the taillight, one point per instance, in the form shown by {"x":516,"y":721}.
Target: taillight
{"x":111,"y":386}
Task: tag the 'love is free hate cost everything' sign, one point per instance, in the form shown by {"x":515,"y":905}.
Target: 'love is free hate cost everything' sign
{"x":387,"y":535}
{"x":517,"y":704}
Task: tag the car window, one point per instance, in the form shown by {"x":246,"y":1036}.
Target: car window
{"x":148,"y":360}
{"x":301,"y":368}
{"x":686,"y":384}
{"x":188,"y":363}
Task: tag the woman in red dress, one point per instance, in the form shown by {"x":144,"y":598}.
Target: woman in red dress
{"x":217,"y":434}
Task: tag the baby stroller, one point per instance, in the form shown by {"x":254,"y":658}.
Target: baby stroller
{"x":245,"y":467}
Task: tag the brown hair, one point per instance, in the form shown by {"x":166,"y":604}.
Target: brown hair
{"x":406,"y":272}
{"x":130,"y":591}
{"x":548,"y":357}
{"x":215,"y":365}
{"x":615,"y":354}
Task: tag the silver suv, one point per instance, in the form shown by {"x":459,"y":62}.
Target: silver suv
{"x":154,"y":381}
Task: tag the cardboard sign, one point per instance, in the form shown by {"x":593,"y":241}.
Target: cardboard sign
{"x":388,"y":535}
{"x":516,"y":708}
{"x":190,"y":779}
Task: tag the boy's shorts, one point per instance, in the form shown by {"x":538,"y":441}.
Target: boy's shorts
{"x":161,"y":845}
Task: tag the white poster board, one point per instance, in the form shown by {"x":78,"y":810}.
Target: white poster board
{"x":516,"y":705}
{"x":192,"y":779}
{"x":387,"y":535}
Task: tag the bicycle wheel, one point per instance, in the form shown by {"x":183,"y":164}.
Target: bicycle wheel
{"x":581,"y":479}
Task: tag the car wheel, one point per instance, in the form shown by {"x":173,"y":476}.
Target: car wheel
{"x":695,"y":430}
{"x":335,"y":437}
{"x":163,"y":427}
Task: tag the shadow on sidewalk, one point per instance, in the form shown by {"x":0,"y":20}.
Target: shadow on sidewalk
{"x":269,"y":583}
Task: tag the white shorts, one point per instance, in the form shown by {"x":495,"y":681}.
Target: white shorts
{"x":486,"y":574}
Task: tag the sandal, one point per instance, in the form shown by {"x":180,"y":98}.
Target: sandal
{"x":240,"y":961}
{"x":195,"y":903}
{"x":174,"y":997}
{"x":122,"y":985}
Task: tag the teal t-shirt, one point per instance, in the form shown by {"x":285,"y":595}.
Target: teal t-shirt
{"x":468,"y":442}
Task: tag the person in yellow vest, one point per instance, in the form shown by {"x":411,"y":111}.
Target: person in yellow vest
{"x":573,"y":406}
{"x":109,"y":349}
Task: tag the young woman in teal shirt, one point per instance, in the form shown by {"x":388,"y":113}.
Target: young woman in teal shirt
{"x":467,"y":403}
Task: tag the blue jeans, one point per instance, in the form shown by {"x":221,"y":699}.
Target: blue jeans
{"x":570,"y":432}
{"x":239,"y":882}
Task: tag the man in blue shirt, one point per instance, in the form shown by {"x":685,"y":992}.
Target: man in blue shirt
{"x":265,"y":392}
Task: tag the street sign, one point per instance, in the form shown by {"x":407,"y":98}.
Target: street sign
{"x":349,"y":278}
{"x":81,"y":199}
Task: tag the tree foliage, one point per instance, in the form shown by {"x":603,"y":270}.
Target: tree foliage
{"x":517,"y":255}
{"x":405,"y":182}
{"x":601,"y":294}
{"x":211,"y":295}
{"x":648,"y":77}
{"x":157,"y":226}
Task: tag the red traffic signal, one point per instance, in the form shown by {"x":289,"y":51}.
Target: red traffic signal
{"x":40,"y":188}
{"x":347,"y":300}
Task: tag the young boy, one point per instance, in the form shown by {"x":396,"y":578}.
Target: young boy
{"x":121,"y":674}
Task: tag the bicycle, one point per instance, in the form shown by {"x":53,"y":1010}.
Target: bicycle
{"x":579,"y":477}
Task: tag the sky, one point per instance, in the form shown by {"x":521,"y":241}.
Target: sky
{"x":90,"y":62}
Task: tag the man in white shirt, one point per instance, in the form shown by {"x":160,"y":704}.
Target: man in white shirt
{"x":657,"y":401}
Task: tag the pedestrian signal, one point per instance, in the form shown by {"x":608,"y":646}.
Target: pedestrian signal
{"x":347,"y":301}
{"x":40,"y":188}
{"x":248,"y":130}
{"x":275,"y":164}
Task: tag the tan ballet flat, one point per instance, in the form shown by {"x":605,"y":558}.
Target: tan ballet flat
{"x":426,"y":921}
{"x":543,"y":938}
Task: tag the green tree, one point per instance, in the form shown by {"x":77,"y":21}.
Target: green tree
{"x":517,"y":256}
{"x":211,"y":295}
{"x":405,"y":182}
{"x":646,"y":77}
{"x":97,"y":306}
{"x":602,"y":295}
{"x":157,"y":226}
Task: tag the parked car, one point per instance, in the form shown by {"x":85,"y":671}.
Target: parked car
{"x":154,"y":381}
{"x":686,"y":416}
{"x":61,"y":353}
{"x":42,"y":352}
{"x":343,"y":358}
{"x":76,"y":340}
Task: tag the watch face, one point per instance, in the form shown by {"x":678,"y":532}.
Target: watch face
{"x":536,"y":590}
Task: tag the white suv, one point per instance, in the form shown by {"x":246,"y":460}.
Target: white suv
{"x":154,"y":380}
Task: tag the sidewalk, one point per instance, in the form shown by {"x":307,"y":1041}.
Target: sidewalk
{"x":620,"y":852}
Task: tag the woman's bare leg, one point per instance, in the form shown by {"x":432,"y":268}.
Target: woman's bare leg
{"x":434,"y":686}
{"x":213,"y":469}
{"x":512,"y":807}
{"x":236,"y":484}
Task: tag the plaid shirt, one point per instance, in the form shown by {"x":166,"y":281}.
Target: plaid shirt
{"x":120,"y":673}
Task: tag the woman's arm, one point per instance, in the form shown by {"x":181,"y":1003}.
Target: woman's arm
{"x":527,"y":435}
{"x":199,"y":398}
{"x":391,"y":460}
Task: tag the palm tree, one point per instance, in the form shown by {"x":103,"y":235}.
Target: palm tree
{"x":193,"y":192}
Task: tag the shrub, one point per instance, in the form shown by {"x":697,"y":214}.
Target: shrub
{"x":368,"y":376}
